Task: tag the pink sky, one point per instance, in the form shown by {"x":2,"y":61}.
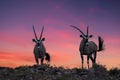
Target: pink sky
{"x":62,"y":41}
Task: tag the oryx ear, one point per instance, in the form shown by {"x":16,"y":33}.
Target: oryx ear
{"x":43,"y":39}
{"x":91,"y":36}
{"x":81,"y":36}
{"x":33,"y":40}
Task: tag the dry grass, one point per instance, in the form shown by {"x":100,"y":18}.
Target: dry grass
{"x":47,"y":72}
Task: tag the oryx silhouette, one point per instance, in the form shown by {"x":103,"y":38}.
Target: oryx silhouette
{"x":89,"y":48}
{"x":39,"y":49}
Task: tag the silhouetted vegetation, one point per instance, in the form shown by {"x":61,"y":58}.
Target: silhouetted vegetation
{"x":115,"y":73}
{"x":47,"y":72}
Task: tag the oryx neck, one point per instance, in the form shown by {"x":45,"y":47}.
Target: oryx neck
{"x":83,"y":41}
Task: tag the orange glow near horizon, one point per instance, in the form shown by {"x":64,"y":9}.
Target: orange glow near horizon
{"x":65,"y":53}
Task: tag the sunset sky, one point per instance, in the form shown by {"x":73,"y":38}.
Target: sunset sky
{"x":62,"y":41}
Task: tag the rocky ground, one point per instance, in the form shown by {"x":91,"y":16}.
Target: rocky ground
{"x":47,"y":72}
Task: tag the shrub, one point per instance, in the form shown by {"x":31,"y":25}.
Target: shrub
{"x":114,"y":71}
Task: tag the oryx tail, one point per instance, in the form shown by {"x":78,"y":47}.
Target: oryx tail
{"x":47,"y":58}
{"x":100,"y":45}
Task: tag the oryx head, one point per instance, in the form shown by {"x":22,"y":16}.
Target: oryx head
{"x":84,"y":36}
{"x":36,"y":40}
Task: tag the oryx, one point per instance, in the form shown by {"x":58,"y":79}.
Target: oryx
{"x":89,"y":48}
{"x":39,"y":49}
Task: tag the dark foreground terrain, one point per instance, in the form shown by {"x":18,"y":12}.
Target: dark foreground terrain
{"x":46,"y":72}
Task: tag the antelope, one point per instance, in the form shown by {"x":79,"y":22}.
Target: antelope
{"x":89,"y":48}
{"x":39,"y":48}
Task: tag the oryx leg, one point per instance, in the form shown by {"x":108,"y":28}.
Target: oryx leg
{"x":42,"y":60}
{"x":37,"y":61}
{"x":95,"y":54}
{"x":92,"y":59}
{"x":82,"y":60}
{"x":88,"y":60}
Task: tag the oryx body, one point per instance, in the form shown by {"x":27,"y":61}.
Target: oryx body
{"x":89,"y":48}
{"x":39,"y":49}
{"x":86,"y":48}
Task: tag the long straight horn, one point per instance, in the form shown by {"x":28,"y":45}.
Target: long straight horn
{"x":41,"y":33}
{"x":35,"y":33}
{"x":87,"y":30}
{"x":77,"y":29}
